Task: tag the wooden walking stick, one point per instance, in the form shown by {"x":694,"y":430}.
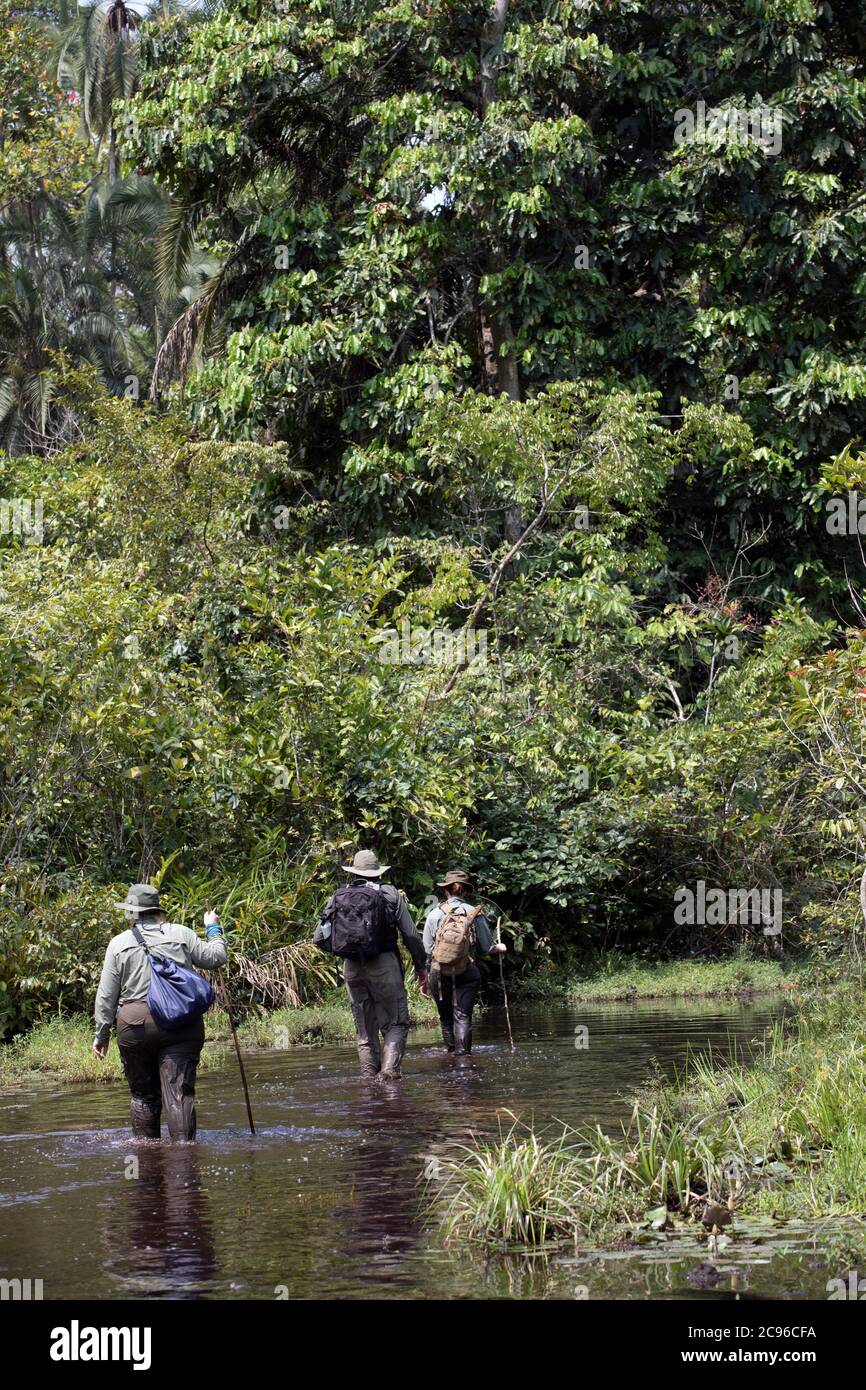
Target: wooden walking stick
{"x":225,"y":995}
{"x":502,"y":982}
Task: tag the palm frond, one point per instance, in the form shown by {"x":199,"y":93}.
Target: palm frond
{"x":179,"y":344}
{"x":174,"y":248}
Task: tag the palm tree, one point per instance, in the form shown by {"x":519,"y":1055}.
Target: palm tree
{"x":51,"y":301}
{"x":80,"y":274}
{"x":81,"y":282}
{"x":99,"y":60}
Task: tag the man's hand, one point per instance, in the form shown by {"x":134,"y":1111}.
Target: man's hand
{"x":498,"y":949}
{"x":212,"y":923}
{"x":424,"y":984}
{"x":100,"y":1049}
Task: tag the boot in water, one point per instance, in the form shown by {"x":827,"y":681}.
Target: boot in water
{"x":462,"y":1037}
{"x":391,"y":1059}
{"x":144,"y":1115}
{"x":369,"y":1064}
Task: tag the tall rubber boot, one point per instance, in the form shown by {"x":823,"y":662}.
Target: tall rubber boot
{"x":392,"y":1056}
{"x":462,"y":1036}
{"x":144,"y":1115}
{"x":369,"y":1062}
{"x":448,"y":1037}
{"x":177,"y":1076}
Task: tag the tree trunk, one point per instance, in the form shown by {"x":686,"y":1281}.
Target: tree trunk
{"x":501,"y":375}
{"x":500,"y":369}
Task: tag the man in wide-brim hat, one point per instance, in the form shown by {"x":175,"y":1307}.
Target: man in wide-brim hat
{"x":366,"y":865}
{"x":362,"y":922}
{"x":160,"y":1064}
{"x":455,"y":989}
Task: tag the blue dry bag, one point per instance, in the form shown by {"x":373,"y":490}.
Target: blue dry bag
{"x":177,"y":994}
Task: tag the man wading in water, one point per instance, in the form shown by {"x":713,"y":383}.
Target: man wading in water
{"x":360,"y":922}
{"x":160,"y":1064}
{"x":454,"y":933}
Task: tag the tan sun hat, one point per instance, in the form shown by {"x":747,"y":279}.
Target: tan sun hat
{"x":366,"y":865}
{"x":454,"y":876}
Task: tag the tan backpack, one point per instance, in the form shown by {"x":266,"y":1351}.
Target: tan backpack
{"x":455,"y":939}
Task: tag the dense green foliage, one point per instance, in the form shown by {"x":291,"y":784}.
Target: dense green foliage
{"x":443,"y":325}
{"x":394,"y":224}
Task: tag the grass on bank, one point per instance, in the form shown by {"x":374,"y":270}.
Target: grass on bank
{"x":60,"y":1049}
{"x":615,"y":977}
{"x":783,"y":1136}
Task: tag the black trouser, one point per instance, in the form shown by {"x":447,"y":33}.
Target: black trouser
{"x":455,"y":1000}
{"x":160,"y":1066}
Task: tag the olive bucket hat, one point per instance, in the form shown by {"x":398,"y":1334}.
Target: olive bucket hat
{"x":142,"y":897}
{"x":366,"y":865}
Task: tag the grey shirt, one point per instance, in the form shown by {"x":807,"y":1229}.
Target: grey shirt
{"x":401,"y":917}
{"x":483,"y":934}
{"x":126,"y":971}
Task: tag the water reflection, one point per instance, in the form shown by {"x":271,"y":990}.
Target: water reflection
{"x":381,"y":1221}
{"x":156,"y":1234}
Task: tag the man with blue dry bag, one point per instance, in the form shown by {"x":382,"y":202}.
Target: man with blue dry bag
{"x":150,"y":990}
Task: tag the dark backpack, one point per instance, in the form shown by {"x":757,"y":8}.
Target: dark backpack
{"x":361,"y":925}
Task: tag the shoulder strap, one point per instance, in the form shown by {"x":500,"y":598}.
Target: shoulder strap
{"x":392,"y":904}
{"x":463,"y":913}
{"x":154,"y":955}
{"x":449,"y":911}
{"x":461,"y":909}
{"x":136,"y":931}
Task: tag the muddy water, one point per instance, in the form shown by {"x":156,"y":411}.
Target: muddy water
{"x":325,"y":1201}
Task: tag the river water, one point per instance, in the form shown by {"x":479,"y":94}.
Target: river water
{"x":326,"y":1200}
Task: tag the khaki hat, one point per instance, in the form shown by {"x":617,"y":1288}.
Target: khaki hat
{"x":366,"y":865}
{"x":454,"y":876}
{"x":142,"y":897}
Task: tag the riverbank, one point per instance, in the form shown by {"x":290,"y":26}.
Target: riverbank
{"x":59,"y":1049}
{"x":617,"y":978}
{"x":723,"y":1152}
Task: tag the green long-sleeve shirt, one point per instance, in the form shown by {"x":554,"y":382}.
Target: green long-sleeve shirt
{"x":126,"y":971}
